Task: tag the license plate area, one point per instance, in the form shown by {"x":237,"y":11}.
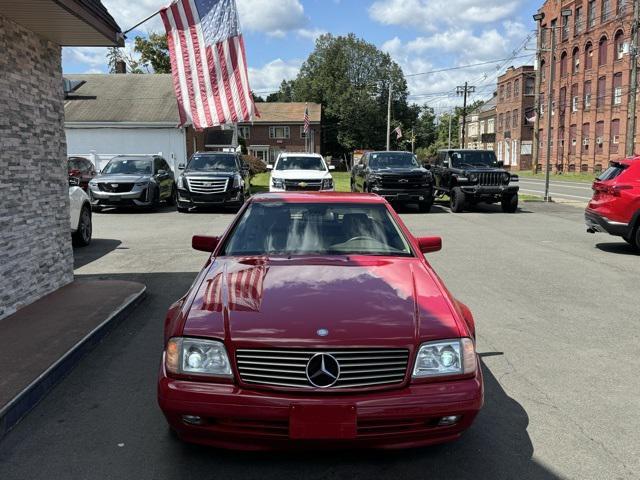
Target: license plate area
{"x":322,"y":422}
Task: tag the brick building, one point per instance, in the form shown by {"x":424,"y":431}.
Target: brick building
{"x":514,"y":110}
{"x":36,"y":257}
{"x":480,"y":127}
{"x":280,"y":128}
{"x":591,"y":87}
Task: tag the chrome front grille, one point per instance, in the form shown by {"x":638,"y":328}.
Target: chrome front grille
{"x":490,"y":178}
{"x":358,"y":367}
{"x":208,"y":185}
{"x":303,"y":185}
{"x":114,"y":187}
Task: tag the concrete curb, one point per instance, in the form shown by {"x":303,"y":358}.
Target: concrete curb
{"x":25,"y":401}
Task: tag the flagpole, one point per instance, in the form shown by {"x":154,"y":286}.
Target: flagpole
{"x":140,"y":23}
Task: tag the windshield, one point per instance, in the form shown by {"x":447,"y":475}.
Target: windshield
{"x":300,"y":163}
{"x":612,"y":172}
{"x":280,"y":228}
{"x":129,"y":166}
{"x":212,"y":162}
{"x":392,"y":160}
{"x":476,"y":158}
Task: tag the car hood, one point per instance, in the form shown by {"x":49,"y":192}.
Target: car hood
{"x":361,"y":301}
{"x":301,"y":174}
{"x":209,"y":174}
{"x":400,"y":171}
{"x":122,"y":178}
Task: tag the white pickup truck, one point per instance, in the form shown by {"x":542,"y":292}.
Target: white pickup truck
{"x":80,"y":214}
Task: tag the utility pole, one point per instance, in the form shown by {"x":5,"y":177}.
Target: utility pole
{"x":633,"y":59}
{"x":389,"y":119}
{"x":464,"y":91}
{"x":539,"y":17}
{"x":413,"y":141}
{"x":450,"y":119}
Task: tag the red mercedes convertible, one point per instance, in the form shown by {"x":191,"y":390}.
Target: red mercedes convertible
{"x":318,"y":323}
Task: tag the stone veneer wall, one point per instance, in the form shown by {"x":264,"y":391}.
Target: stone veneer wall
{"x":36,"y":257}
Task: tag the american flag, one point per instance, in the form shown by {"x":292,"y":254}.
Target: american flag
{"x":244,"y":288}
{"x":208,"y":62}
{"x":306,"y":120}
{"x":398,"y":132}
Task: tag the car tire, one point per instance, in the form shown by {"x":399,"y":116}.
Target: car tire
{"x":171,"y":200}
{"x":155,"y":202}
{"x":425,"y":207}
{"x":509,"y":203}
{"x":457,"y":200}
{"x":636,"y":238}
{"x":82,"y":236}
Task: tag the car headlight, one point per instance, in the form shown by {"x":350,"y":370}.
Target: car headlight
{"x":237,"y":181}
{"x":327,"y":184}
{"x":277,"y":182}
{"x":142,"y":184}
{"x":182,"y":183}
{"x":197,"y":356}
{"x":506,"y":177}
{"x":445,"y":357}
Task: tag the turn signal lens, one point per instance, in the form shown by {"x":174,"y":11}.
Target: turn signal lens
{"x":468,"y":356}
{"x":172,"y":355}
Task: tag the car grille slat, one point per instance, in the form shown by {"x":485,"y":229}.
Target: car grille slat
{"x":207,"y":185}
{"x":287,"y":368}
{"x":490,"y":178}
{"x":309,"y":185}
{"x":118,"y":188}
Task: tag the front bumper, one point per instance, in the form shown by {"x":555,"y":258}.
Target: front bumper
{"x":242,"y":419}
{"x":489,"y":190}
{"x":138,"y":197}
{"x":187,"y":199}
{"x":599,"y":223}
{"x":406,"y":196}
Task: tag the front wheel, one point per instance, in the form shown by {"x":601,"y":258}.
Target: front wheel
{"x":82,"y":236}
{"x":636,"y":238}
{"x":509,"y":203}
{"x":457,"y":199}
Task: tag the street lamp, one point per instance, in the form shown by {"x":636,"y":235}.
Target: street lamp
{"x":538,"y":17}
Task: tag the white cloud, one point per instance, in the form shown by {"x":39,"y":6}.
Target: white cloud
{"x":310,"y":34}
{"x":267,"y":78}
{"x":432,"y":14}
{"x":274,"y":18}
{"x":90,"y":56}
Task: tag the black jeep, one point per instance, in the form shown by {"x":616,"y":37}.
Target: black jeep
{"x":396,"y":176}
{"x":474,"y":176}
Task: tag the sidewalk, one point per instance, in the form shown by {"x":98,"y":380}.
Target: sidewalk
{"x":43,"y":341}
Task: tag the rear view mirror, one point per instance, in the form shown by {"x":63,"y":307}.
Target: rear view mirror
{"x":204,"y":243}
{"x":430,"y":244}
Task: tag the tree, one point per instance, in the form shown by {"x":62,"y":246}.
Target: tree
{"x":350,"y":78}
{"x":115,"y":54}
{"x":154,"y":52}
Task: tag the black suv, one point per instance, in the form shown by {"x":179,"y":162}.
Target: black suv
{"x":396,"y":176}
{"x":474,"y":176}
{"x":213,"y":179}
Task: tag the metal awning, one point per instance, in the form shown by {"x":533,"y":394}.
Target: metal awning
{"x":66,"y":22}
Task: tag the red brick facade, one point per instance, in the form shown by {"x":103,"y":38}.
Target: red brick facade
{"x":591,"y":87}
{"x":514,"y":133}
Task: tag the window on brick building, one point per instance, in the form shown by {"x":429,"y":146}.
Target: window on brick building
{"x":588,"y":56}
{"x":606,"y":10}
{"x":578,"y":22}
{"x":600,"y":137}
{"x":543,"y":105}
{"x":585,"y":137}
{"x":573,"y":139}
{"x":591,"y":13}
{"x":500,"y":122}
{"x":507,"y":120}
{"x":603,"y":46}
{"x":530,"y":86}
{"x":543,"y":70}
{"x":508,"y":94}
{"x":562,"y":100}
{"x":617,"y":89}
{"x":575,"y":61}
{"x":615,"y":136}
{"x":622,"y":6}
{"x":516,"y":87}
{"x":601,"y":93}
{"x":575,"y":100}
{"x":501,"y":95}
{"x":619,"y":45}
{"x":515,"y":118}
{"x":564,"y":59}
{"x":587,"y":95}
{"x":279,"y":132}
{"x":244,"y":132}
{"x":565,"y":28}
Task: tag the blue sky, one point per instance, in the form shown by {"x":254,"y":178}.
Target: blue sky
{"x":421,"y":35}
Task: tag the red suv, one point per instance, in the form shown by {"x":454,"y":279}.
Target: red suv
{"x":615,"y":206}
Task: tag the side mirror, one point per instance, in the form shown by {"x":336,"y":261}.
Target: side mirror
{"x":332,"y":167}
{"x":204,"y":243}
{"x":74,"y":182}
{"x":430,"y":244}
{"x":269,"y":167}
{"x":500,"y":163}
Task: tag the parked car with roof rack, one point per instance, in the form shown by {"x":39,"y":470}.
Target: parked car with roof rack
{"x":396,"y":176}
{"x":133,"y":181}
{"x":300,"y":172}
{"x":615,"y":206}
{"x":470,"y":177}
{"x":213,"y":179}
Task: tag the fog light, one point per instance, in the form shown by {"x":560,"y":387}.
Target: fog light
{"x":192,"y":420}
{"x":421,"y":198}
{"x":449,"y":420}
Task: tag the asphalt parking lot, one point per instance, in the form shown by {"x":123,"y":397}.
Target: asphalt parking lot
{"x":556,"y":312}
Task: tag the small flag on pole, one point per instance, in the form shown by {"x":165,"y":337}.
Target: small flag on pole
{"x":306,"y":119}
{"x":208,"y":62}
{"x":398,"y":132}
